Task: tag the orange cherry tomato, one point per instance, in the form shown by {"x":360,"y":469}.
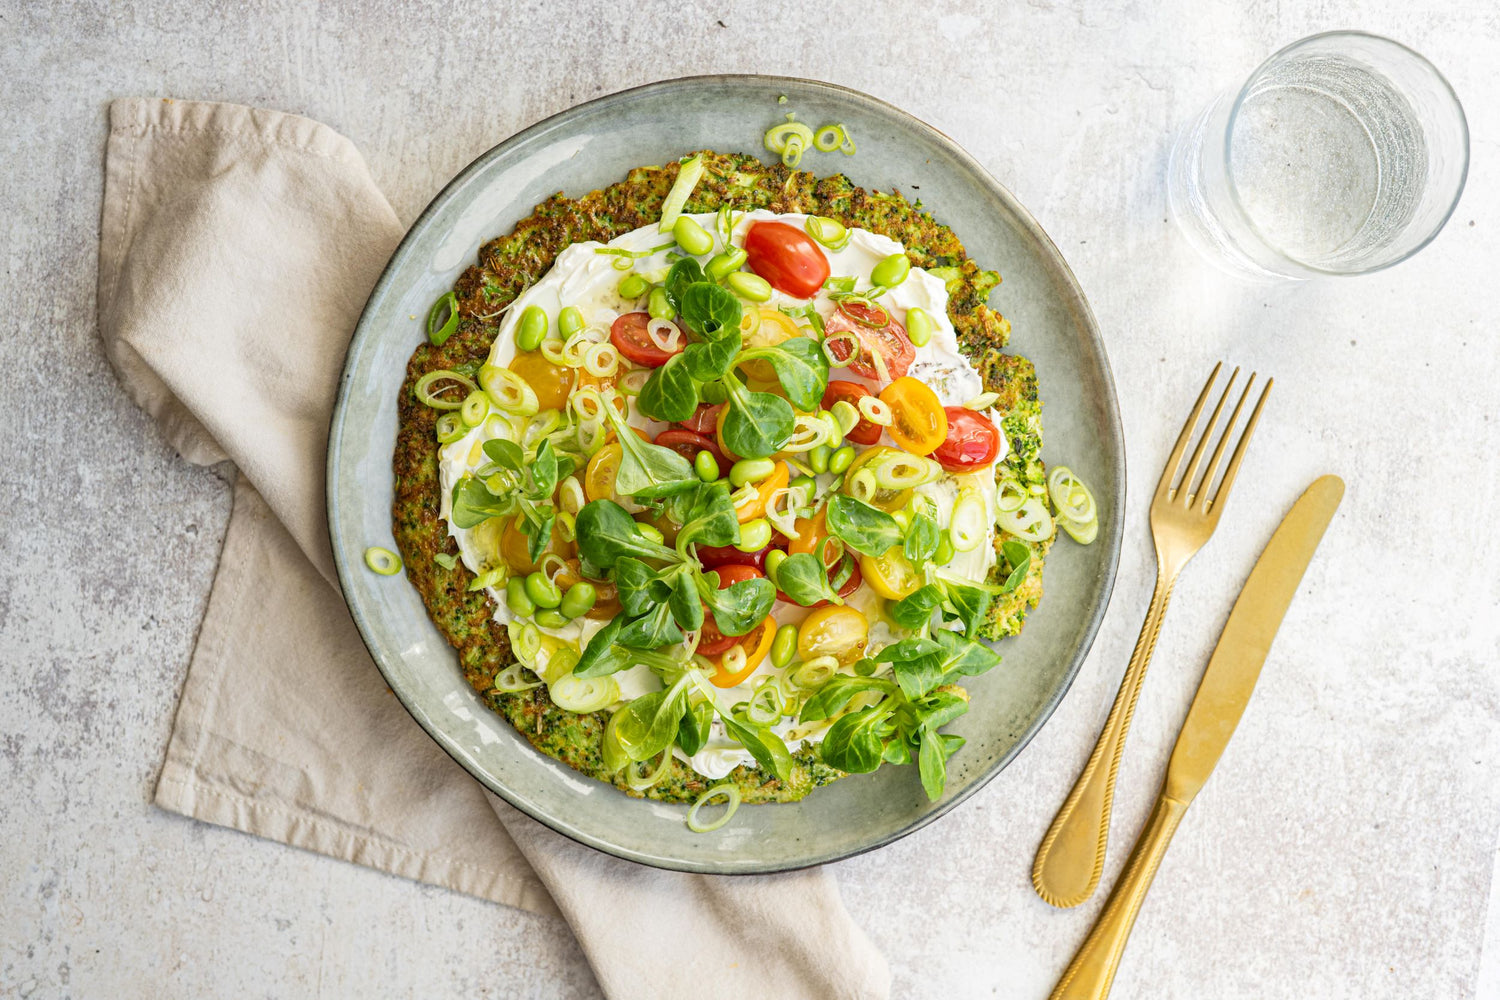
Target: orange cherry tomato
{"x":513,"y":546}
{"x":812,"y":536}
{"x":756,"y":644}
{"x":711,"y":641}
{"x":918,"y":422}
{"x":599,"y":476}
{"x":551,"y":383}
{"x":757,"y":507}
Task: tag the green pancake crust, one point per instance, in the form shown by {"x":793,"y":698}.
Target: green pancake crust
{"x":508,"y":264}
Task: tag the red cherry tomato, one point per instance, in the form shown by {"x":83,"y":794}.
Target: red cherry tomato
{"x":877,"y":330}
{"x":972,"y":443}
{"x":786,"y":257}
{"x":849,"y":586}
{"x":688,"y":444}
{"x":712,"y":642}
{"x":715,"y":556}
{"x":864,"y":432}
{"x":705,"y":421}
{"x":628,"y":334}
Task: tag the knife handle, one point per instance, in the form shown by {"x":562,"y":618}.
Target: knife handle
{"x":1092,"y":971}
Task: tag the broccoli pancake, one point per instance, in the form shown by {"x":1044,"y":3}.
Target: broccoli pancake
{"x":509,"y":264}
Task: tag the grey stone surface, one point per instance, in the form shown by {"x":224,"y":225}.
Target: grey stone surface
{"x":1345,"y":848}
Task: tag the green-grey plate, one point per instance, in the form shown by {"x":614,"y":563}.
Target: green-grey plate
{"x":594,"y":145}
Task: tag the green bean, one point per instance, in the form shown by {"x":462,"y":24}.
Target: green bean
{"x":659,"y":306}
{"x":579,"y":600}
{"x":839,"y":461}
{"x":722,"y":265}
{"x":569,"y":321}
{"x":754,"y":535}
{"x":891,"y":271}
{"x":818,"y":459}
{"x":692,"y":237}
{"x":706,"y":466}
{"x":919,"y":326}
{"x":750,"y":470}
{"x":945,"y":551}
{"x":749,"y":286}
{"x":633,"y":286}
{"x":532,"y":329}
{"x":784,"y":646}
{"x":551,"y":618}
{"x":543,"y":591}
{"x":515,"y":597}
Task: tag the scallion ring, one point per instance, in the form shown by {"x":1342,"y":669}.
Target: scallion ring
{"x":450,"y":427}
{"x":552,"y":350}
{"x":765,"y":705}
{"x":967,"y":527}
{"x":587,"y":403}
{"x":570,"y":495}
{"x":779,"y":137}
{"x":829,"y":137}
{"x":631,"y":383}
{"x":731,"y":795}
{"x":525,"y":642}
{"x":830,"y":232}
{"x":862,"y":486}
{"x":382,"y":561}
{"x":897,"y":470}
{"x":591,"y":434}
{"x":843,"y":336}
{"x":508,"y":391}
{"x":688,"y":176}
{"x":733,"y":660}
{"x":815,"y":672}
{"x":512,"y":681}
{"x":808,"y":432}
{"x":640,"y":782}
{"x":1011,"y":495}
{"x":475,"y":408}
{"x":1030,"y":522}
{"x":440,"y":399}
{"x":583,"y":695}
{"x":1070,"y":497}
{"x":602,"y":361}
{"x":489,"y":578}
{"x":438,"y":333}
{"x":664,"y":334}
{"x":1083,"y":534}
{"x":983,"y":401}
{"x":879,"y":317}
{"x":551,"y":566}
{"x":876,"y":410}
{"x":744,"y":497}
{"x":782,"y":510}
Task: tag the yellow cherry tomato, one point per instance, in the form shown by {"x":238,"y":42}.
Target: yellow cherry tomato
{"x":839,"y":632}
{"x":599,"y":477}
{"x":757,"y":507}
{"x":513,"y":546}
{"x":757,"y":646}
{"x":550,"y":382}
{"x":889,"y":501}
{"x":775,"y":326}
{"x":918,"y":422}
{"x":890,"y":575}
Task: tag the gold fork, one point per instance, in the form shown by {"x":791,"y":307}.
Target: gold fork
{"x":1071,"y":858}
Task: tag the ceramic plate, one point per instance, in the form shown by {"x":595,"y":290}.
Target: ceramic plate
{"x":591,"y":146}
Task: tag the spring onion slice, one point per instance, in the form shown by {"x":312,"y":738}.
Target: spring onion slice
{"x":509,"y":391}
{"x":664,"y":334}
{"x":438,"y":399}
{"x":450,"y":427}
{"x":1030,"y":522}
{"x":587,"y":403}
{"x":808,"y":432}
{"x":601,"y":360}
{"x":489,"y":578}
{"x":1072,"y":500}
{"x":731,"y":796}
{"x":967,"y":526}
{"x":446,"y":560}
{"x":582,"y":695}
{"x":830,"y":232}
{"x":475,"y":408}
{"x":439,"y":333}
{"x":874,"y":409}
{"x":640,"y":782}
{"x":901,"y":471}
{"x":1083,"y":534}
{"x":983,"y":401}
{"x":552,"y":350}
{"x":688,"y":176}
{"x":631,"y":383}
{"x":525,"y":642}
{"x":512,"y":681}
{"x":843,"y":336}
{"x":765,"y":705}
{"x":382,"y":561}
{"x":815,"y":672}
{"x":862,"y":486}
{"x":779,"y":137}
{"x":830,"y":137}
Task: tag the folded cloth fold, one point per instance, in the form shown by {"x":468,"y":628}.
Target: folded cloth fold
{"x":237,"y":249}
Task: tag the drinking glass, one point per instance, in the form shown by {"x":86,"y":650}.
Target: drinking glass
{"x":1344,"y":153}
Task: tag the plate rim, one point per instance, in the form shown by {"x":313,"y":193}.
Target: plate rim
{"x":1076,"y":303}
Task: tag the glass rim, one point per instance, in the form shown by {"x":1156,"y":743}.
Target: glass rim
{"x":1243,"y":92}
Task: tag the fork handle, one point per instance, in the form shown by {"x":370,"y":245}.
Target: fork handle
{"x":1071,"y":857}
{"x":1092,"y":971}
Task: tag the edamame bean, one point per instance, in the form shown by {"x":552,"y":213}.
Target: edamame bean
{"x":579,"y":600}
{"x":818,"y":459}
{"x":722,"y":265}
{"x":551,"y":618}
{"x":945,"y":551}
{"x":515,"y":597}
{"x":651,"y":532}
{"x":784,"y":646}
{"x":692,"y":237}
{"x":774,"y":559}
{"x":754,"y":535}
{"x":750,"y":470}
{"x":891,"y":271}
{"x":569,"y":321}
{"x":706,"y":466}
{"x":658,"y":305}
{"x":749,"y":286}
{"x":532,"y":329}
{"x":839,"y":461}
{"x":919,"y":326}
{"x":633,"y":286}
{"x":543,"y":591}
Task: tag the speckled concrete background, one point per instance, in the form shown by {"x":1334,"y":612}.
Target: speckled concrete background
{"x":1346,"y":846}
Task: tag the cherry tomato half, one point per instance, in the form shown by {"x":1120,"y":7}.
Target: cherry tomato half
{"x":714,"y":556}
{"x":786,"y":257}
{"x":688,"y":444}
{"x":972,"y":443}
{"x":629,"y":335}
{"x":711,"y":641}
{"x":705,"y":420}
{"x":550,"y":382}
{"x":757,"y":644}
{"x":918,"y":421}
{"x":878,"y":331}
{"x":777,"y":480}
{"x":864,"y":432}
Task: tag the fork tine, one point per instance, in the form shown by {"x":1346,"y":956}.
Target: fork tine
{"x":1222,"y":493}
{"x":1208,"y":435}
{"x":1213,"y":463}
{"x":1174,"y":460}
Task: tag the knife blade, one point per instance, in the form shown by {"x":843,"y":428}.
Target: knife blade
{"x":1246,"y":640}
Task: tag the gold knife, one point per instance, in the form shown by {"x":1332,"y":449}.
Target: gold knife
{"x":1216,"y":710}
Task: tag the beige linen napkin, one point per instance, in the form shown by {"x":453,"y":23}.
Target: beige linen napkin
{"x":237,"y":249}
